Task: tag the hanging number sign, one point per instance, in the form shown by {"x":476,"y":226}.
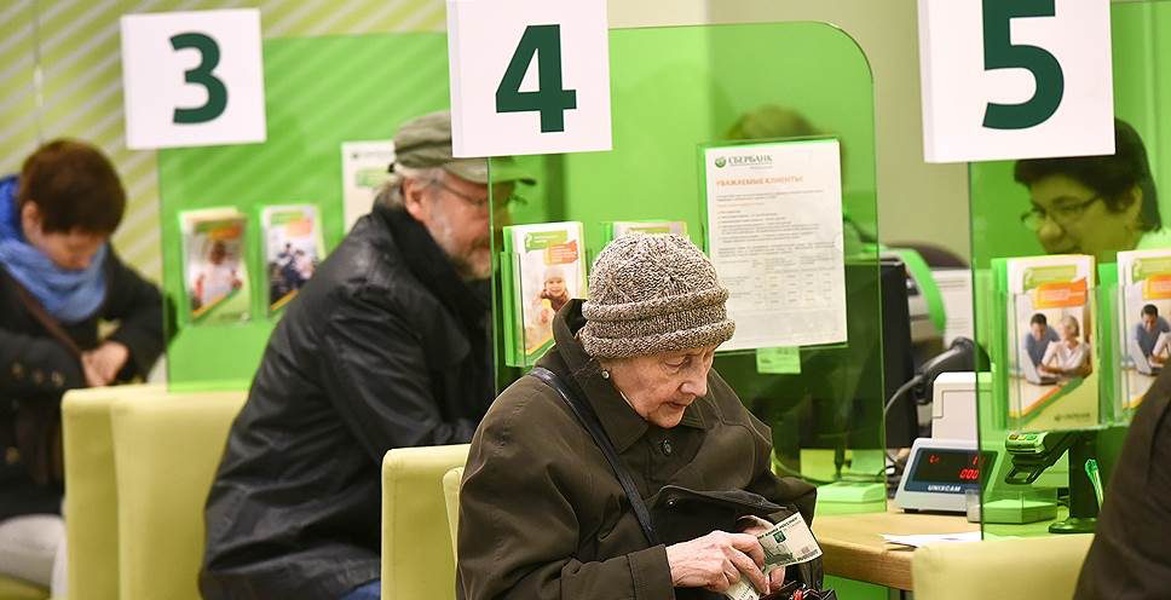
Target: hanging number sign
{"x":193,"y":78}
{"x":528,"y":76}
{"x":1010,"y":79}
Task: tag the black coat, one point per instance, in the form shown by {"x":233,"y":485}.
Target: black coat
{"x":384,"y":347}
{"x":36,"y":368}
{"x":1129,"y":558}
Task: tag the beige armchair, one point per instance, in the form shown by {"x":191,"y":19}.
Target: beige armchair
{"x":417,"y":561}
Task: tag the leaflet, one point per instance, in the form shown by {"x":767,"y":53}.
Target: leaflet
{"x":543,"y":268}
{"x":215,"y":269}
{"x":1052,"y":360}
{"x":293,"y":247}
{"x":1144,"y":303}
{"x":775,"y":236}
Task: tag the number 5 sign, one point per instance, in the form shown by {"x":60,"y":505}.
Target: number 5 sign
{"x":1008,"y":79}
{"x":193,"y":78}
{"x":528,"y":76}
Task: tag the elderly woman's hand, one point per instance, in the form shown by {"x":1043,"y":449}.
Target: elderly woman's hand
{"x":716,"y":561}
{"x":755,"y":526}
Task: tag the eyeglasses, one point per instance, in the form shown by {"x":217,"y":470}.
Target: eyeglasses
{"x":1063,"y":215}
{"x":510,"y":201}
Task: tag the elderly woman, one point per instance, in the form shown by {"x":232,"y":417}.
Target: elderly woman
{"x":542,"y":513}
{"x":1095,"y":205}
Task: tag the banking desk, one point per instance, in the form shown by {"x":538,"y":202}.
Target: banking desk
{"x":1046,"y":566}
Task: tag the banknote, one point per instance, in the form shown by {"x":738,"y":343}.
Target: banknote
{"x":787,"y":543}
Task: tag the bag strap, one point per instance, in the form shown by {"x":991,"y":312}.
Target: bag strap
{"x":585,"y":414}
{"x":48,"y":322}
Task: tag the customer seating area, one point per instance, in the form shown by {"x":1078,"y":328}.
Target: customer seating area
{"x":140,"y":461}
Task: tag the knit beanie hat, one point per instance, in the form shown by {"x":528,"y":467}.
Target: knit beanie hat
{"x":651,"y":294}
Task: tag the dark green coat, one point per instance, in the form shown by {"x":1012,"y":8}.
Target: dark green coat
{"x":542,"y":515}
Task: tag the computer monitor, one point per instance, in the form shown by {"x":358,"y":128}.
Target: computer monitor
{"x":836,"y":402}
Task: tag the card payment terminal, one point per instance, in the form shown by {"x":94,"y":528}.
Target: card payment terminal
{"x":940,"y":472}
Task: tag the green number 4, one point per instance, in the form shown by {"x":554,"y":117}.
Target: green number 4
{"x":1001,"y":53}
{"x":550,"y":99}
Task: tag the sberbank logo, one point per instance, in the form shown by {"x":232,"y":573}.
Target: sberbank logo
{"x":744,"y":161}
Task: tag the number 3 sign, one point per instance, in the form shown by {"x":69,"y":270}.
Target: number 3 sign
{"x":193,"y":78}
{"x":1008,"y":79}
{"x":528,"y":76}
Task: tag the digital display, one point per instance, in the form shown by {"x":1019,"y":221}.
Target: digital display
{"x":951,"y":466}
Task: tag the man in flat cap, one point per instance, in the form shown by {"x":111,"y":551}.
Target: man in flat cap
{"x":387,"y":346}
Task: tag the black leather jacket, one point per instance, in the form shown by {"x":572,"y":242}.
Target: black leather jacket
{"x":385,"y":347}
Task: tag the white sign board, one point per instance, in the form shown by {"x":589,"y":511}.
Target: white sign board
{"x":775,"y":236}
{"x":528,"y":76}
{"x":1006,"y":79}
{"x":193,"y":78}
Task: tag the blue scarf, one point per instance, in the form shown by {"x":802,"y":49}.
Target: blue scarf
{"x":70,"y":296}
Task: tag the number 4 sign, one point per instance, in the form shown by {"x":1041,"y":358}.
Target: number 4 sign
{"x":528,"y":76}
{"x":1009,"y":79}
{"x":193,"y":78}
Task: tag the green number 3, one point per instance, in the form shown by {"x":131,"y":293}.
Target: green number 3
{"x":550,"y":99}
{"x":1000,"y":53}
{"x":217,"y":94}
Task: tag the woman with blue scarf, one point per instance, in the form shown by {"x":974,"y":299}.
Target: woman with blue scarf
{"x":58,"y":279}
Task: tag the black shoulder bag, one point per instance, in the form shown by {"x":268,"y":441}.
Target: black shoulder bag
{"x":688,"y":514}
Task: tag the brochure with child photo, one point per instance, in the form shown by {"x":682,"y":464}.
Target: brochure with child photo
{"x":1144,"y":333}
{"x":215,"y":271}
{"x":293,"y":247}
{"x":543,"y":267}
{"x":1052,"y":364}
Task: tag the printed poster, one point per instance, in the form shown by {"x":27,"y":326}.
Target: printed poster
{"x":775,"y":235}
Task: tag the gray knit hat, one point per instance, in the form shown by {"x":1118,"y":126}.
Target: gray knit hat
{"x":651,"y":294}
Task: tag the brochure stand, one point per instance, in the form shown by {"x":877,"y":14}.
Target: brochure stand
{"x":300,"y":164}
{"x":1071,"y":458}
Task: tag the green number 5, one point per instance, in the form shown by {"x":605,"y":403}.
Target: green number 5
{"x":1000,"y":53}
{"x":217,"y":94}
{"x":550,"y":99}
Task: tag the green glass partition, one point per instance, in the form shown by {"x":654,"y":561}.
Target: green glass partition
{"x":1058,"y":454}
{"x":320,"y":92}
{"x":677,"y":90}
